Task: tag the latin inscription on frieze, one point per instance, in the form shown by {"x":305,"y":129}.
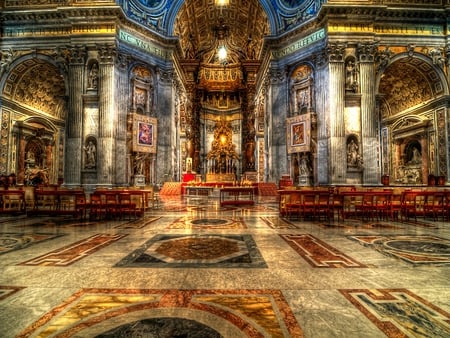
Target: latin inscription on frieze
{"x":144,"y":45}
{"x":57,"y":31}
{"x":388,"y":29}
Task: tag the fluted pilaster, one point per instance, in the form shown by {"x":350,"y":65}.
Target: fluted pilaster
{"x":370,"y":141}
{"x":107,"y":117}
{"x":72,"y":169}
{"x":337,"y":122}
{"x":321,"y":99}
{"x":121,"y":112}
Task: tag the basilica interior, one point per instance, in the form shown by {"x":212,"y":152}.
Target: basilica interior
{"x":157,"y":156}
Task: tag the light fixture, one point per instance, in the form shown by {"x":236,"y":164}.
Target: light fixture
{"x":222,"y":53}
{"x":221,"y":2}
{"x":223,"y":139}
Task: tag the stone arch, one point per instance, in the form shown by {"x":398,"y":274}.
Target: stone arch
{"x":407,"y":82}
{"x":410,"y":89}
{"x":36,"y":83}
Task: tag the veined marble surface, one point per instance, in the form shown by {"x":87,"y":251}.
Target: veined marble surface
{"x":257,"y":275}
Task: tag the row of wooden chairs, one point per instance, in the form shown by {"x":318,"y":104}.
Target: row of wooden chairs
{"x":366,"y":204}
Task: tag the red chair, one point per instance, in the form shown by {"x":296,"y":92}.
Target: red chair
{"x":293,"y":204}
{"x":126,"y":206}
{"x":434,"y":205}
{"x":309,"y":204}
{"x":97,"y":207}
{"x":80,"y":205}
{"x":382,"y":206}
{"x":323,"y":205}
{"x":111,"y":205}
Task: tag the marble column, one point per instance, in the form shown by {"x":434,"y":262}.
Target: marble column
{"x":167,"y":151}
{"x":73,"y":153}
{"x":277,"y":135}
{"x":424,"y":145}
{"x":107,"y":117}
{"x":336,"y":92}
{"x":370,"y":142}
{"x":321,"y":163}
{"x":122,"y":113}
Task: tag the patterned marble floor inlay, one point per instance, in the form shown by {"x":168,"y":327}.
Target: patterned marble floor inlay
{"x":318,"y":253}
{"x":278,"y":223}
{"x":414,"y":249}
{"x":196,"y":251}
{"x":6,"y":291}
{"x":74,"y":252}
{"x":400,"y":313}
{"x":189,"y":222}
{"x":139,"y":223}
{"x":232,"y":313}
{"x":10,"y":241}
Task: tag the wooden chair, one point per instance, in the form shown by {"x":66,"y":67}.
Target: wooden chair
{"x":434,"y":205}
{"x":408,"y":205}
{"x":293,"y":204}
{"x":112,"y":205}
{"x":80,"y":205}
{"x":126,"y":206}
{"x":337,"y":205}
{"x":364,"y":205}
{"x":323,"y":205}
{"x":309,"y":204}
{"x":97,"y":207}
{"x":382,"y":206}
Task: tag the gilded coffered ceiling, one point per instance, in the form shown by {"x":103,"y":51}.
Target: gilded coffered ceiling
{"x":419,"y":84}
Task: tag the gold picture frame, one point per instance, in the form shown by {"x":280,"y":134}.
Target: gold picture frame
{"x":298,"y":133}
{"x":144,"y":134}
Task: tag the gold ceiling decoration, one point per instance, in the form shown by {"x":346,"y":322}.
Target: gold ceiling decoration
{"x":205,"y":27}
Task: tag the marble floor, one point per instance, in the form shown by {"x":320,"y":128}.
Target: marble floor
{"x":191,"y":268}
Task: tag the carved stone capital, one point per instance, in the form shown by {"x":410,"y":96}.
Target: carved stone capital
{"x":165,"y":76}
{"x":122,"y":60}
{"x":366,"y":52}
{"x":336,"y":52}
{"x":77,"y":55}
{"x":276,"y":76}
{"x":106,"y":53}
{"x":382,"y":58}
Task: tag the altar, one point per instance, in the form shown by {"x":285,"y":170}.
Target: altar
{"x":220,"y":177}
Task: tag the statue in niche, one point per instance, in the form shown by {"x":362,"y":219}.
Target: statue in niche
{"x":305,"y":166}
{"x":139,"y":162}
{"x":91,"y":152}
{"x":416,"y":156}
{"x":93,"y":77}
{"x":353,"y":157}
{"x":351,"y":80}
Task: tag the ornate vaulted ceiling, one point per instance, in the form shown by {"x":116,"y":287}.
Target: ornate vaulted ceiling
{"x":206,"y":26}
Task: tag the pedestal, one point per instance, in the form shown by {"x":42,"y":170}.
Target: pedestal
{"x":304,"y":180}
{"x":139,"y":180}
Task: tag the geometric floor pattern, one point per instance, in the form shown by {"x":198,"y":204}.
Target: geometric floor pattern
{"x":196,"y":251}
{"x":194,"y":268}
{"x":252,"y":313}
{"x":71,"y":253}
{"x":318,"y":253}
{"x":19,"y":240}
{"x":414,"y":249}
{"x":400,"y":313}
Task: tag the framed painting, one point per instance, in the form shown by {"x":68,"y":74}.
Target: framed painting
{"x":144,"y":134}
{"x":298,"y":133}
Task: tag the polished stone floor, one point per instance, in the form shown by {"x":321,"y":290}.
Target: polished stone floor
{"x":190,"y":268}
